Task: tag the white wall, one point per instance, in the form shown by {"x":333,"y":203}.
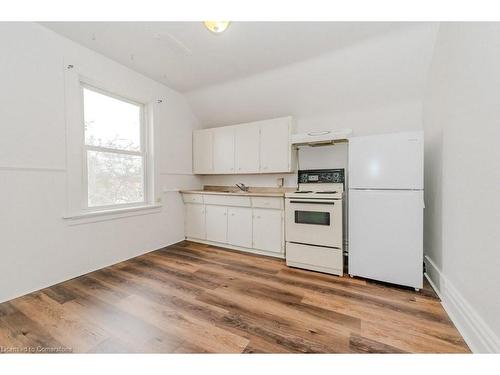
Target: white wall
{"x":38,"y":247}
{"x":462,"y":216}
{"x":375,"y":86}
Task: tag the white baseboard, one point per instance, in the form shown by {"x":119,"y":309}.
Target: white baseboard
{"x":434,"y":286}
{"x":475,"y":331}
{"x":433,"y":275}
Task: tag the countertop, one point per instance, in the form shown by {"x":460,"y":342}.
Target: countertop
{"x":240,"y":194}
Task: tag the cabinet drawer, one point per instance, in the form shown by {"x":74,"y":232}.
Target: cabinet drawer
{"x":192,"y":198}
{"x":322,"y":259}
{"x":227,"y":200}
{"x":267,"y":202}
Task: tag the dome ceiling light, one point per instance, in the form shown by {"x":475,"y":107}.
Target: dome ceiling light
{"x":216,"y":27}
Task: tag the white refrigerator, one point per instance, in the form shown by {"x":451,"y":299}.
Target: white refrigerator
{"x":386,"y":202}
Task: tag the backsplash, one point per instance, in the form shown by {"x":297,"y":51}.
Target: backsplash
{"x":308,"y":158}
{"x":259,"y":180}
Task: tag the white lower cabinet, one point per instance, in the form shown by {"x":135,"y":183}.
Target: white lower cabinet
{"x":239,"y":226}
{"x":216,"y":223}
{"x":195,"y":221}
{"x":268,"y":230}
{"x":253,"y":224}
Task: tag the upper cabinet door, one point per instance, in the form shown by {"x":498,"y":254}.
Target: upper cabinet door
{"x":247,"y":148}
{"x":223,"y":149}
{"x":202,"y":151}
{"x":275,"y":149}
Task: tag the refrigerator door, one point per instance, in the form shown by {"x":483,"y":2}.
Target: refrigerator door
{"x":389,"y":161}
{"x":386,"y":236}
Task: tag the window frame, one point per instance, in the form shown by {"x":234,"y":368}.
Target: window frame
{"x":143,"y":152}
{"x":115,"y":84}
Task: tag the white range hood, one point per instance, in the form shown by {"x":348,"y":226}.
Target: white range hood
{"x":320,"y":138}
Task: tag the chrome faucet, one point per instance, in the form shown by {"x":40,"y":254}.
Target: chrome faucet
{"x":242,"y":187}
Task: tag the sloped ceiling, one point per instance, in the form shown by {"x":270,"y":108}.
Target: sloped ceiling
{"x":374,"y":85}
{"x":186,"y":56}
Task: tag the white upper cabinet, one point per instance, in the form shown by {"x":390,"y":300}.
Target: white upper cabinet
{"x":247,"y":148}
{"x":203,"y":151}
{"x":223,"y":150}
{"x":257,"y":147}
{"x":275,"y":150}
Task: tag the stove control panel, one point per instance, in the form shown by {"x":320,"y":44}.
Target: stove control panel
{"x":314,"y":176}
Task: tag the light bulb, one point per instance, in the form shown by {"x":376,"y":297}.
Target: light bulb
{"x":216,"y":27}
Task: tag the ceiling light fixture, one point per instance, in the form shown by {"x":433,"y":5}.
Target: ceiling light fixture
{"x":216,"y":27}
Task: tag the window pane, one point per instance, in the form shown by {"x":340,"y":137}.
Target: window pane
{"x":111,"y":122}
{"x":114,"y":178}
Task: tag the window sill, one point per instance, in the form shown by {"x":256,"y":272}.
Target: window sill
{"x":111,"y":214}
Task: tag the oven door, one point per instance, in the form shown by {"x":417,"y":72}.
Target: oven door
{"x":314,"y":221}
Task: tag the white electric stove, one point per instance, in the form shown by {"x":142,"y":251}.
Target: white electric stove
{"x":314,"y":225}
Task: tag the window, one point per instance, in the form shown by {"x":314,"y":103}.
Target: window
{"x":114,"y":167}
{"x":110,"y":163}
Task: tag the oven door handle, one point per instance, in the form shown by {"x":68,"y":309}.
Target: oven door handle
{"x":313,"y":202}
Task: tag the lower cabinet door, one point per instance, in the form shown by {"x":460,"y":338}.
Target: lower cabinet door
{"x":216,"y":218}
{"x":239,"y":226}
{"x":195,"y":221}
{"x":268,"y":230}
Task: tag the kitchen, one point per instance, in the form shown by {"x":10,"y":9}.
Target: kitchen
{"x":190,"y":187}
{"x":305,"y":224}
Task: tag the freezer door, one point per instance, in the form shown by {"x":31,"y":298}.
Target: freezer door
{"x":389,"y":161}
{"x":385,"y":236}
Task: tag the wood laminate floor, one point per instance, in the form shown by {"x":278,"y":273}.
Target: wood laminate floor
{"x":193,"y":298}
